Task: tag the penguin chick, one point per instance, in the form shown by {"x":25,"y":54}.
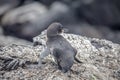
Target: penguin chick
{"x":59,"y":47}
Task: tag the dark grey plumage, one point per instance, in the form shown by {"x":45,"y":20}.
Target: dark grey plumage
{"x":60,"y":48}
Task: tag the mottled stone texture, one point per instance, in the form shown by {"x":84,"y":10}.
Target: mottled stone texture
{"x":101,"y":60}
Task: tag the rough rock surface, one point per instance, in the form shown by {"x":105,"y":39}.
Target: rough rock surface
{"x":101,"y":60}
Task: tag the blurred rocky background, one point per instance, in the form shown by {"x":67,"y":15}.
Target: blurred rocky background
{"x":26,"y":19}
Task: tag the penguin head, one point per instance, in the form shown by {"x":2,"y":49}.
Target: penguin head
{"x":54,"y":29}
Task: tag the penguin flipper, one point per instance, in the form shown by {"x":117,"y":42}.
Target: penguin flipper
{"x":43,"y":54}
{"x":77,"y":60}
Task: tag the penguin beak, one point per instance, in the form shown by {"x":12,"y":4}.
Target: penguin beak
{"x":64,"y":30}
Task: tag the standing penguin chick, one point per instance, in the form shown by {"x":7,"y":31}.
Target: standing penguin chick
{"x":59,"y":47}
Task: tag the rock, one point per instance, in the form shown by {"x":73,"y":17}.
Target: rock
{"x":20,"y":21}
{"x":100,"y":12}
{"x":25,"y":52}
{"x":100,"y":59}
{"x":26,"y":13}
